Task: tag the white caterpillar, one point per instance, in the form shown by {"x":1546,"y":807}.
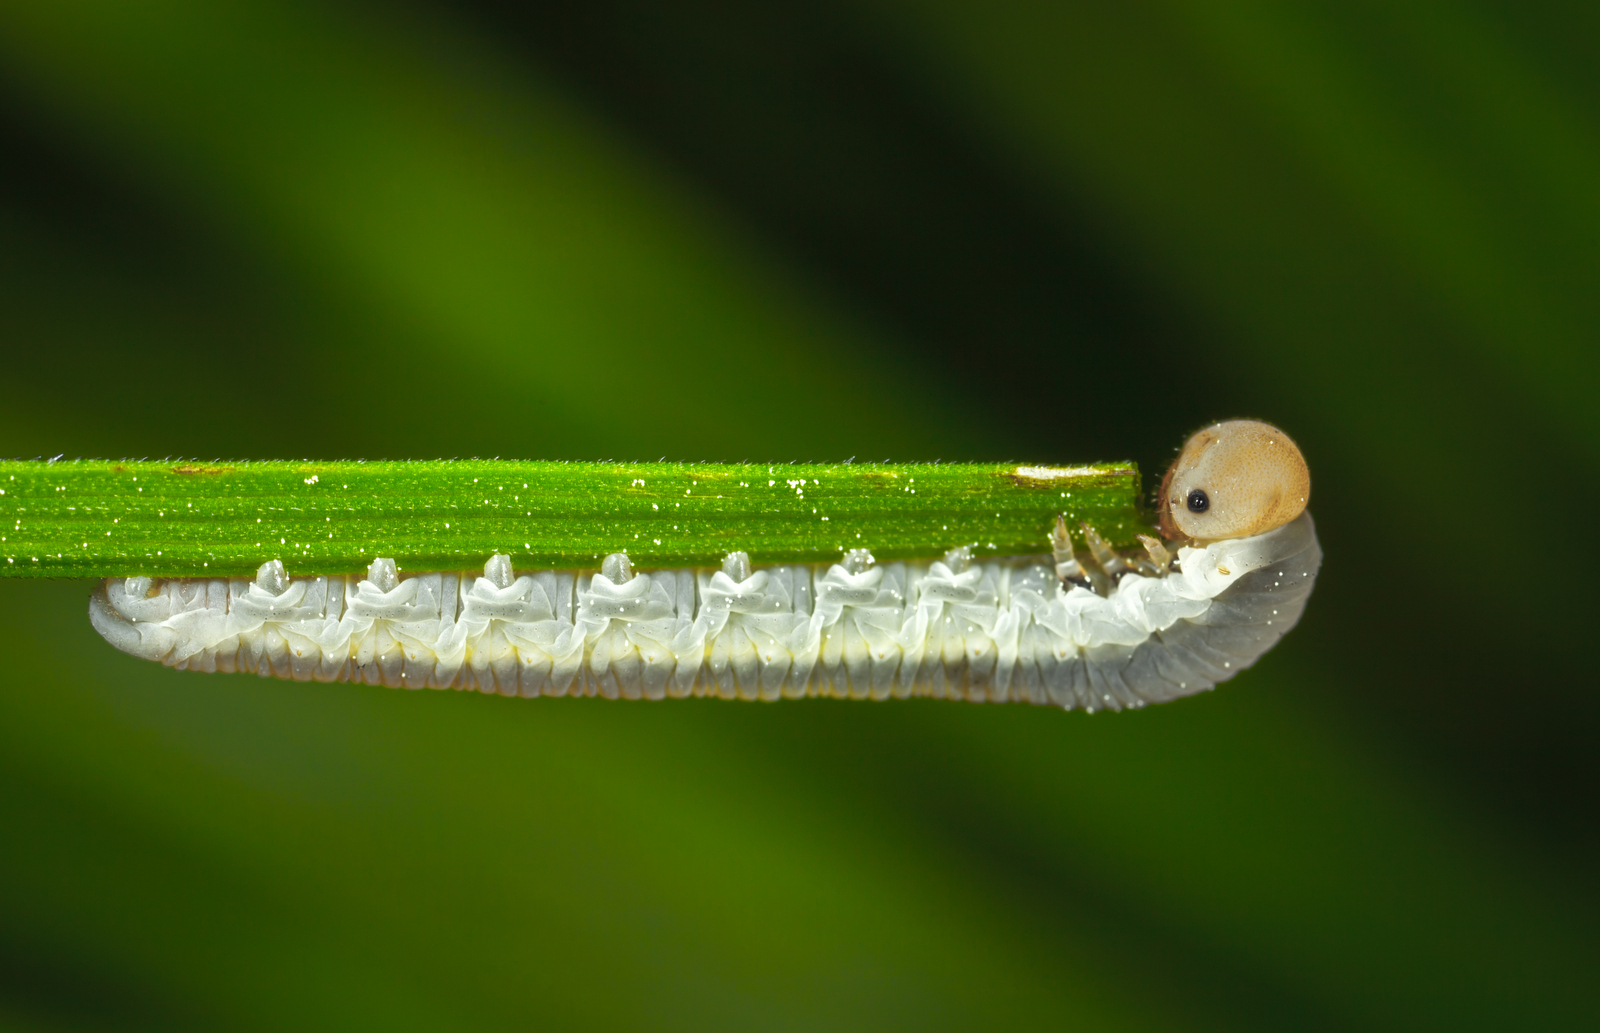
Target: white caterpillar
{"x":1002,"y":630}
{"x":993,"y":631}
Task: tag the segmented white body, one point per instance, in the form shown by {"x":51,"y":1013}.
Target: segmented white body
{"x":995,"y":631}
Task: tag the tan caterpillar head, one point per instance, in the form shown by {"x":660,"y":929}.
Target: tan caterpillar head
{"x":1233,"y":479}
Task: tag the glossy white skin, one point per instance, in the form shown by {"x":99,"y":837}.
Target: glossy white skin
{"x":1001,"y":630}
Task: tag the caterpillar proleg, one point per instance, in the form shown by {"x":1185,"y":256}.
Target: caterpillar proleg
{"x":1101,"y":631}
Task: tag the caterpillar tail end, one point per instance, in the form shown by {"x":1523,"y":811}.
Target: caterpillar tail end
{"x":143,"y":640}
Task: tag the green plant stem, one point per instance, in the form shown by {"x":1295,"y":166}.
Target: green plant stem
{"x":85,"y":518}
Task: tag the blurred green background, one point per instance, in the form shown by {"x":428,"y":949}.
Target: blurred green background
{"x":721,"y":229}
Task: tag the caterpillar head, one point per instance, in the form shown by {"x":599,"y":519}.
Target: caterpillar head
{"x":1232,"y":480}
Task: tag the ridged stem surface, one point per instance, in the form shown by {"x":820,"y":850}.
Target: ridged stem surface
{"x":96,"y":518}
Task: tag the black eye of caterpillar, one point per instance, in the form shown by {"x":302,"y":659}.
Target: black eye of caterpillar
{"x":1199,"y":501}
